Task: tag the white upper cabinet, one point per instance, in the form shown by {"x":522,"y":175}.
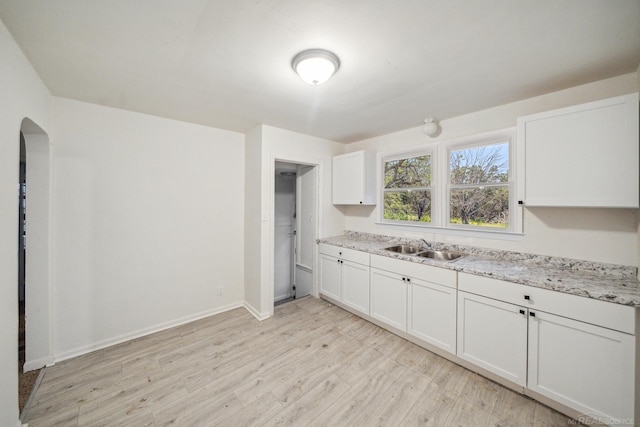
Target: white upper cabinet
{"x":354,"y":178}
{"x":581,"y":156}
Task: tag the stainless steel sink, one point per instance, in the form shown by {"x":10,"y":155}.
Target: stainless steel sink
{"x":440,"y":255}
{"x":425,"y":253}
{"x":404,"y":249}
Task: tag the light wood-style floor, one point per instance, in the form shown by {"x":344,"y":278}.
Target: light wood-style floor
{"x":311,"y":364}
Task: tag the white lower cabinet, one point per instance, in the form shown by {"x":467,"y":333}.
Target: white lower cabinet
{"x":493,"y":335}
{"x":355,"y":286}
{"x":331,"y":277}
{"x":432,"y":314}
{"x":564,"y":356}
{"x":415,"y":298}
{"x":583,"y":366}
{"x":389,"y":298}
{"x":344,"y":276}
{"x":576,"y":353}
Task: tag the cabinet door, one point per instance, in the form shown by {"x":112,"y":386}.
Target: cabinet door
{"x":354,"y":178}
{"x":585,"y":155}
{"x":389,"y":298}
{"x":355,"y":286}
{"x":331,"y":277}
{"x":586,"y":367}
{"x":432,"y":314}
{"x":493,"y":335}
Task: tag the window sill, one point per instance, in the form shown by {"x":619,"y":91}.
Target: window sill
{"x":463,"y":232}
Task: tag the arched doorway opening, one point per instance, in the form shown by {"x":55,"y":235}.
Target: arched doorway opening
{"x":34,"y":260}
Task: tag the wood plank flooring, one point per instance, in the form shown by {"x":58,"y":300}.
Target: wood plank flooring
{"x":311,"y":364}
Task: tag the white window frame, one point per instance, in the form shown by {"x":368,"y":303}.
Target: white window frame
{"x":440,"y":186}
{"x":480,"y":142}
{"x":432,"y":187}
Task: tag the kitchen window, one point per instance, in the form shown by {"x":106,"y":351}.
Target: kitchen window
{"x":478,"y":187}
{"x":407,"y":189}
{"x":464,"y":186}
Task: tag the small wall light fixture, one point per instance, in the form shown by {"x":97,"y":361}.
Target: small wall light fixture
{"x":430,"y":127}
{"x":315,"y":66}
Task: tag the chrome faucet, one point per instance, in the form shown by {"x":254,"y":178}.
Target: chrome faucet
{"x":430,"y":246}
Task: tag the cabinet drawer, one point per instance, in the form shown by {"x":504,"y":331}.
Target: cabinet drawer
{"x":345,"y":253}
{"x":441,"y":276}
{"x":601,"y":313}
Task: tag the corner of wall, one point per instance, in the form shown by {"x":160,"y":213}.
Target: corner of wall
{"x":252,"y":205}
{"x":255,"y":313}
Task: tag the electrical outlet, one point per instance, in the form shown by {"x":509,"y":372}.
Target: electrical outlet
{"x":220,"y":290}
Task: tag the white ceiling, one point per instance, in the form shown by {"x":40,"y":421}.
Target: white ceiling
{"x":226,"y":63}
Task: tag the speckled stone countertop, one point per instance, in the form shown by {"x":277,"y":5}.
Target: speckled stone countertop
{"x":607,"y":282}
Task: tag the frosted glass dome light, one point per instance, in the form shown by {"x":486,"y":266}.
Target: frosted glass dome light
{"x":430,"y":126}
{"x":315,"y":66}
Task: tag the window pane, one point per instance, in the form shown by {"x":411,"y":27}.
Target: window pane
{"x":486,"y":207}
{"x":408,"y":173}
{"x":480,"y":165}
{"x":407,"y":205}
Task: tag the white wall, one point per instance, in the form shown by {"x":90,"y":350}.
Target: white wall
{"x":148,"y":223}
{"x":279,"y":144}
{"x":605,"y":235}
{"x":253,"y":219}
{"x":22,"y":94}
{"x":294,"y":147}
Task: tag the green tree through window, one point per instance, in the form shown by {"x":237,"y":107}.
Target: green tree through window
{"x":467,"y":184}
{"x":407,"y":189}
{"x":479,"y":186}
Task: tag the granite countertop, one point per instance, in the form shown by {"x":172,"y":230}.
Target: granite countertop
{"x":606,"y":282}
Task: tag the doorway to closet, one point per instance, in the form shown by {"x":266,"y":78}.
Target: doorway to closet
{"x":294,"y":231}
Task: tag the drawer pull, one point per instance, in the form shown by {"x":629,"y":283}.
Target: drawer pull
{"x":527,"y":297}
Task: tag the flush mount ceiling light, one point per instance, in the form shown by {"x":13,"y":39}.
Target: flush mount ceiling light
{"x":315,"y":66}
{"x":430,"y":127}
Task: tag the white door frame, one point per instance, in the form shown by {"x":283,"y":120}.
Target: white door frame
{"x":39,"y":260}
{"x":317,"y":170}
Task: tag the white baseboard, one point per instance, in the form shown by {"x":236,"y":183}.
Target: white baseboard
{"x":255,"y":313}
{"x":78,"y":351}
{"x":304,"y":268}
{"x":32,"y":365}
